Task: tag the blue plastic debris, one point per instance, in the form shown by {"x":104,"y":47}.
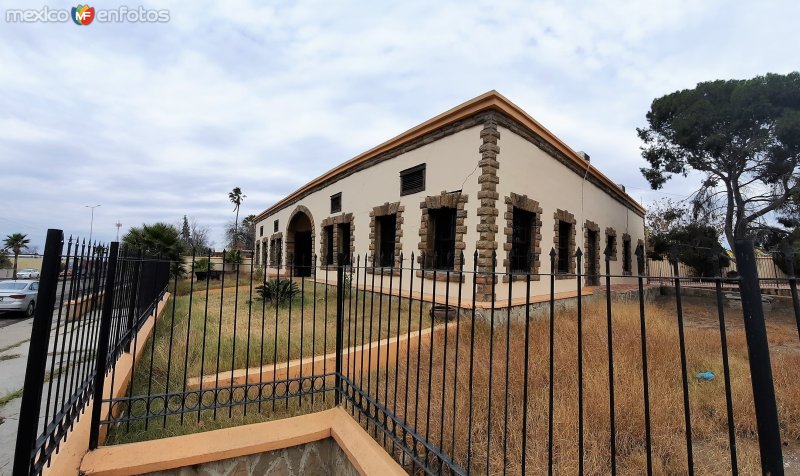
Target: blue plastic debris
{"x":707,"y":375}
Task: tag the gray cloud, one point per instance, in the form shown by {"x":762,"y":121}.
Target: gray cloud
{"x":161,"y":120}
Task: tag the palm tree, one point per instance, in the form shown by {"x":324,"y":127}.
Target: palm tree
{"x":236,"y":197}
{"x":158,"y":239}
{"x":16,"y":243}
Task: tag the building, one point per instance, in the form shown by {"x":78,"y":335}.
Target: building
{"x":483,"y":176}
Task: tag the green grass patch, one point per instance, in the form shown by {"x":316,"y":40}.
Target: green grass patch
{"x":10,"y":396}
{"x":198,"y":336}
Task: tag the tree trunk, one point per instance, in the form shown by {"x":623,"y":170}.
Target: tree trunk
{"x":236,"y":230}
{"x":16,"y":256}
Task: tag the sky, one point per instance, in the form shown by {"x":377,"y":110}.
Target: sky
{"x":154,"y":121}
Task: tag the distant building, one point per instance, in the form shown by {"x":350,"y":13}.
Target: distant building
{"x":483,"y":176}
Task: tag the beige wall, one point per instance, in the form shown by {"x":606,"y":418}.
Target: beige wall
{"x":526,"y":169}
{"x":381,"y":183}
{"x":33,"y":262}
{"x":451,"y":162}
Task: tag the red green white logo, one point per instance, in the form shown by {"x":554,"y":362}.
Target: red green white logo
{"x":82,"y":14}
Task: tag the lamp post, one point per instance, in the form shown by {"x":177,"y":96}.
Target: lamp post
{"x":91,"y":224}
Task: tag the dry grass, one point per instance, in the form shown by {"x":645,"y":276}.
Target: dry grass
{"x":708,"y":407}
{"x":434,"y":416}
{"x":224,"y":334}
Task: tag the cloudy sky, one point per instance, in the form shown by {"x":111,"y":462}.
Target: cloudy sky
{"x":156,"y":121}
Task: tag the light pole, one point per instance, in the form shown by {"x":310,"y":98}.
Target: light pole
{"x":91,"y":224}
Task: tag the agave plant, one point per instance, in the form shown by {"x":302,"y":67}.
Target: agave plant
{"x":278,"y":291}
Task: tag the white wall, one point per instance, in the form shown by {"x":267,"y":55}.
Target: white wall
{"x":526,"y":169}
{"x":451,"y":162}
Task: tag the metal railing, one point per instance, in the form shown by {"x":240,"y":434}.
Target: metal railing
{"x":92,"y":299}
{"x":539,"y":374}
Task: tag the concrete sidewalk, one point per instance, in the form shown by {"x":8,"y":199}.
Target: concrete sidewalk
{"x":14,"y":340}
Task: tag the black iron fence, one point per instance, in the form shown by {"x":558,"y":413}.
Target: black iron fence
{"x":539,"y":374}
{"x":92,"y":299}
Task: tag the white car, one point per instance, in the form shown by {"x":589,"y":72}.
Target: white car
{"x":19,"y":296}
{"x":28,"y":273}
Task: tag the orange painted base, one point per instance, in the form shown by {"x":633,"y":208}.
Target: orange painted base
{"x":364,"y":453}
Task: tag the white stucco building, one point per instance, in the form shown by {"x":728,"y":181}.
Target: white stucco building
{"x":483,"y":176}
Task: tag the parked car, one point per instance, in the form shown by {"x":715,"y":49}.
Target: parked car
{"x":28,"y":273}
{"x":19,"y":296}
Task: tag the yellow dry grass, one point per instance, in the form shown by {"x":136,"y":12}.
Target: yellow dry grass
{"x":496,"y":442}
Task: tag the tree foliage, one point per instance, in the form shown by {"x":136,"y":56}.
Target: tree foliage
{"x":195,"y":236}
{"x":743,"y":136}
{"x":242,"y":236}
{"x":158,"y":239}
{"x":781,"y":243}
{"x":232,"y":256}
{"x":16,"y":243}
{"x":4,"y":261}
{"x":186,"y":233}
{"x":236,"y":197}
{"x":672,"y":226}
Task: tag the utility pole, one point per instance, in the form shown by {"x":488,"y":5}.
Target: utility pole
{"x":117,"y":224}
{"x":91,"y":224}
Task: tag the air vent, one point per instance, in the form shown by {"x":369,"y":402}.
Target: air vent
{"x":412,"y":180}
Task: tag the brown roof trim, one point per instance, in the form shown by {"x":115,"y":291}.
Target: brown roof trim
{"x":486,"y":101}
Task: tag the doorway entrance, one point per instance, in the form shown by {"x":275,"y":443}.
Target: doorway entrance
{"x":300,"y":244}
{"x":302,"y":253}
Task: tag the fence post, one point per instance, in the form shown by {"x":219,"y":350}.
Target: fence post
{"x":133,"y":289}
{"x":339,"y":327}
{"x":788,"y":255}
{"x":769,"y":436}
{"x":37,"y":354}
{"x":102,"y":345}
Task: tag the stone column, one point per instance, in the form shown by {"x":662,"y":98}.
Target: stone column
{"x":487,"y":208}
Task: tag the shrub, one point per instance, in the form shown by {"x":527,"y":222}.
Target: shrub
{"x":177,"y":270}
{"x":782,"y":262}
{"x":233,"y":256}
{"x":203,"y":265}
{"x":278,"y":292}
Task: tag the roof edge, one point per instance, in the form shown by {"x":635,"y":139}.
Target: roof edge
{"x":488,"y":100}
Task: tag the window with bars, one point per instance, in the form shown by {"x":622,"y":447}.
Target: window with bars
{"x":329,"y":248}
{"x":336,"y":203}
{"x":564,"y":236}
{"x":626,"y":256}
{"x":611,"y":245}
{"x":521,"y":240}
{"x":344,"y":243}
{"x":443,"y":224}
{"x":412,"y":180}
{"x":386,"y":229}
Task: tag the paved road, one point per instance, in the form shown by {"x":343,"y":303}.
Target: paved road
{"x":14,"y":342}
{"x":8,"y":318}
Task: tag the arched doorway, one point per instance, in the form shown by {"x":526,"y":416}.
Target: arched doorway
{"x":300,"y":242}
